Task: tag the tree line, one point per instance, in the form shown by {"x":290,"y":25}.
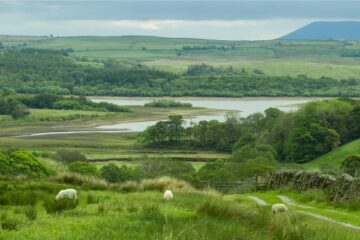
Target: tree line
{"x":317,"y":128}
{"x":49,"y":71}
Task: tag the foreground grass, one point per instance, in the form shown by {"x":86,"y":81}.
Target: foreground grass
{"x":104,"y":214}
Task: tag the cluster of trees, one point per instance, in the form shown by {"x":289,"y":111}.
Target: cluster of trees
{"x":167,"y":103}
{"x":350,"y":53}
{"x":13,"y":107}
{"x":53,"y":101}
{"x":49,"y":71}
{"x":317,"y":128}
{"x":209,"y":47}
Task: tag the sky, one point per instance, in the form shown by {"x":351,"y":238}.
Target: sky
{"x":209,"y":19}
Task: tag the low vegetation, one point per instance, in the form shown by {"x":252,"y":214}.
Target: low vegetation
{"x":166,"y":103}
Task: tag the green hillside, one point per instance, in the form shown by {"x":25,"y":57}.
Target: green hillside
{"x":335,"y":157}
{"x":279,"y":58}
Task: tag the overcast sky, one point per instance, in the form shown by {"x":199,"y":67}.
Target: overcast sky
{"x":221,"y":19}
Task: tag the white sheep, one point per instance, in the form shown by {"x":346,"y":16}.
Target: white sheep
{"x":279,"y":207}
{"x":168,"y":195}
{"x":70,"y":194}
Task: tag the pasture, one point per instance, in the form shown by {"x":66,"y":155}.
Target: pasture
{"x":136,"y":212}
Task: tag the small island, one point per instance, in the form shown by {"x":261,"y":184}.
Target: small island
{"x":167,"y":103}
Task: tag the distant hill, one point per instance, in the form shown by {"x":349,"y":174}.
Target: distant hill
{"x":344,"y":30}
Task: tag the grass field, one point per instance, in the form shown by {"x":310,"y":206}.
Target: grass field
{"x":335,"y":157}
{"x":104,"y":214}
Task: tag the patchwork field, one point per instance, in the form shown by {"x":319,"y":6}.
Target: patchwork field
{"x":277,"y":58}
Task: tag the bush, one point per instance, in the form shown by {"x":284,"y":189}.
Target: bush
{"x":15,"y":162}
{"x":166,"y":103}
{"x":351,"y":165}
{"x":84,"y":168}
{"x":114,"y":174}
{"x":162,"y":183}
{"x":89,"y":182}
{"x":69,"y":156}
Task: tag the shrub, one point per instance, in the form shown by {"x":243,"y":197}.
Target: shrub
{"x":84,"y":168}
{"x":351,"y":165}
{"x":90,"y":182}
{"x":18,"y":162}
{"x":114,"y":174}
{"x":162,"y":183}
{"x":167,"y":103}
{"x":69,"y":156}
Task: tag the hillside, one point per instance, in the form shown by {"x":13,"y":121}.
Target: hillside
{"x":335,"y":59}
{"x":335,"y":157}
{"x":345,"y":30}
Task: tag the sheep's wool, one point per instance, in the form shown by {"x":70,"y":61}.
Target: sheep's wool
{"x":276,"y":208}
{"x":168,"y":195}
{"x":67,"y":194}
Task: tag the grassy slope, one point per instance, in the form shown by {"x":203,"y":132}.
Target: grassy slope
{"x":336,"y":156}
{"x":314,"y":58}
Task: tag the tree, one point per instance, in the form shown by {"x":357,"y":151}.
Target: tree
{"x":19,"y":111}
{"x":310,"y":141}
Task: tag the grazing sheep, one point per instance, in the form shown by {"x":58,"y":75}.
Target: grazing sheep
{"x":168,"y":195}
{"x":277,"y":208}
{"x":70,"y":194}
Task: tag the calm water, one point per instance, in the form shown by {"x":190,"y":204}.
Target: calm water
{"x":245,"y":107}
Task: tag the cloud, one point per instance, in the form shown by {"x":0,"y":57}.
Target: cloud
{"x":215,"y":19}
{"x":251,"y":29}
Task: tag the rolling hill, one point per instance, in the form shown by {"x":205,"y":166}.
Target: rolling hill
{"x":344,"y":30}
{"x":335,"y":157}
